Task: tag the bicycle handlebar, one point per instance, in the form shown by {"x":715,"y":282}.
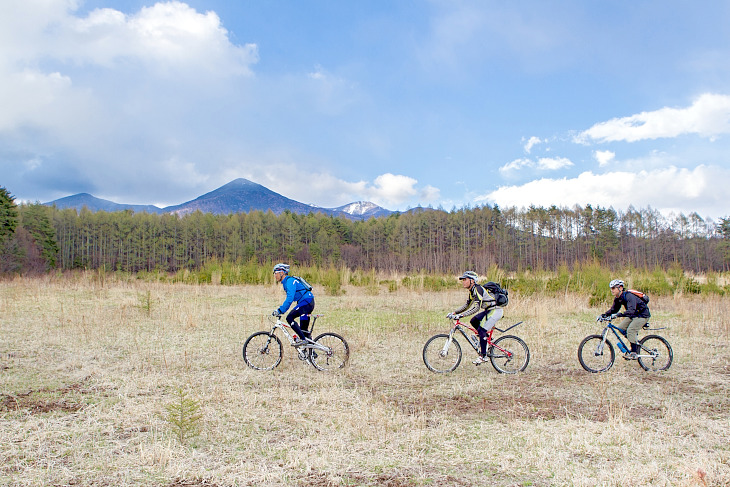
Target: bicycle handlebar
{"x":601,"y":318}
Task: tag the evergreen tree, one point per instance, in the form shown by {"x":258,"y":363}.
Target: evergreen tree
{"x":11,"y":253}
{"x":8,"y":215}
{"x":36,"y":220}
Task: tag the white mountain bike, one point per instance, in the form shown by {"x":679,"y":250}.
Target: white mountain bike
{"x":263,"y":349}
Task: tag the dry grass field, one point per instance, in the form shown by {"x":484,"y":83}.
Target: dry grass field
{"x":88,"y":369}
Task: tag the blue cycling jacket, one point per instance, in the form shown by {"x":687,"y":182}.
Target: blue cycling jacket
{"x":295,"y":291}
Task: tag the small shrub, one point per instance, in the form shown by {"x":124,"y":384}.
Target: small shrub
{"x":372,"y":290}
{"x":654,"y":284}
{"x":183,"y":415}
{"x":363,"y":279}
{"x":330,"y":279}
{"x":690,"y":286}
{"x":435,"y":283}
{"x":145,"y":302}
{"x":599,"y":299}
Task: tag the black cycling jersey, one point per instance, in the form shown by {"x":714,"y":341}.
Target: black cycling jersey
{"x":635,"y":306}
{"x":479,"y":298}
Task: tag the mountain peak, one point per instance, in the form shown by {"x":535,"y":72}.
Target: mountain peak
{"x":363,"y":209}
{"x":237,"y":196}
{"x":239,"y":182}
{"x":91,"y":202}
{"x":358,"y":207}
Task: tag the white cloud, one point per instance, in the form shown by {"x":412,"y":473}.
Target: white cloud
{"x":280,"y":173}
{"x":702,"y":189}
{"x":398,"y":190}
{"x":429,"y":194}
{"x":542,"y":164}
{"x":532,"y":142}
{"x":708,"y":116}
{"x":604,"y":157}
{"x":553,"y":163}
{"x":105,"y":65}
{"x":118,"y":102}
{"x":516,"y":165}
{"x":164,"y":36}
{"x":32,"y":97}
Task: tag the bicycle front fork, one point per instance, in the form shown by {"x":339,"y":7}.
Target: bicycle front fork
{"x":601,"y":344}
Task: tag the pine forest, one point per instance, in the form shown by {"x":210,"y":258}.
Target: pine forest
{"x":423,"y":240}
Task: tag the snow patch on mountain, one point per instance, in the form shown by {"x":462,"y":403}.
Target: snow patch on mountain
{"x":359,"y":207}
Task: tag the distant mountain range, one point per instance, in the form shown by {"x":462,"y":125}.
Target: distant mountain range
{"x":238,"y":196}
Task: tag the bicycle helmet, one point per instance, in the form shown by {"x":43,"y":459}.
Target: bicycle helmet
{"x":469,"y":275}
{"x":616,"y":282}
{"x":282,"y":267}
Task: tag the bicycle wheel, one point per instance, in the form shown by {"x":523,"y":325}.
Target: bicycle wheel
{"x":658,"y":346}
{"x":335,"y":358}
{"x":515,"y":357}
{"x":262,"y":351}
{"x":591,"y":358}
{"x":440,"y":359}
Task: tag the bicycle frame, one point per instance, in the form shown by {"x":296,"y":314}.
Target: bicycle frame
{"x":292,"y":336}
{"x":473,"y":339}
{"x":618,"y":333}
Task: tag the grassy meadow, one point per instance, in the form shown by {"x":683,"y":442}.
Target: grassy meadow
{"x":89,"y":369}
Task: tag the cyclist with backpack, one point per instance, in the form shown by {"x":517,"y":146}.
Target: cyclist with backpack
{"x":482,"y":302}
{"x":299,"y":291}
{"x":634,"y":318}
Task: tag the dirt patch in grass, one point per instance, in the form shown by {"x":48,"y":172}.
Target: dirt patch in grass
{"x":523,"y":397}
{"x":389,"y":479}
{"x":39,"y":401}
{"x":194,"y":482}
{"x":519,"y":407}
{"x":38,"y":406}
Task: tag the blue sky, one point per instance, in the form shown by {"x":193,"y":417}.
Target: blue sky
{"x":442,"y":103}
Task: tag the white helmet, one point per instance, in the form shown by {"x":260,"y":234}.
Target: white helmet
{"x":469,"y":275}
{"x":282,"y":267}
{"x":616,"y":282}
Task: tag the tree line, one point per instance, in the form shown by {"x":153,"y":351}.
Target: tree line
{"x":37,"y":238}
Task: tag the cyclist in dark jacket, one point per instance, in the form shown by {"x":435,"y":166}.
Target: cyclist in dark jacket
{"x":635,"y":317}
{"x":295,"y":292}
{"x":484,"y":304}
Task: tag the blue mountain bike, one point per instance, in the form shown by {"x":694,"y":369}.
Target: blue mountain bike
{"x":596,"y":353}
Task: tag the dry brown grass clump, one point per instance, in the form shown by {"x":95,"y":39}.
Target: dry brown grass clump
{"x":87,"y":369}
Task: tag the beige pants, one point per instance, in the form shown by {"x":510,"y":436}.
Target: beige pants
{"x":632,"y":327}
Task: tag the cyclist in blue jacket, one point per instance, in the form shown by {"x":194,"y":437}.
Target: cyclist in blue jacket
{"x":295,"y":292}
{"x":634,"y":318}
